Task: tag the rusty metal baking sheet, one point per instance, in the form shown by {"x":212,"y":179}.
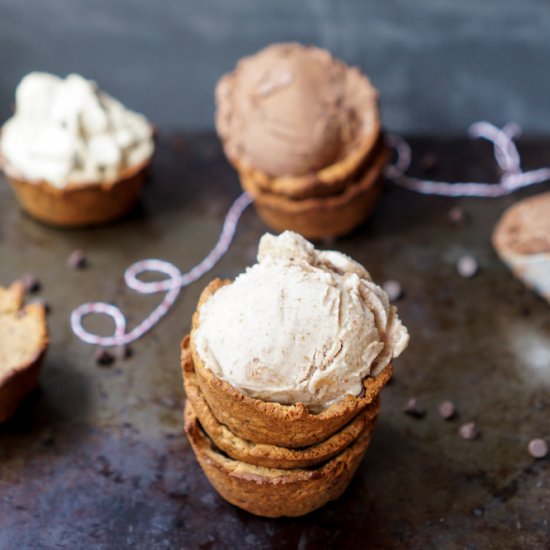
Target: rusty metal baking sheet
{"x":96,"y":457}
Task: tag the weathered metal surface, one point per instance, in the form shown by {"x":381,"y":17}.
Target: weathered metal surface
{"x":96,"y":458}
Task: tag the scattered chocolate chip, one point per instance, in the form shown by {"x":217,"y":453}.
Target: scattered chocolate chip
{"x":537,"y":448}
{"x":103,"y":357}
{"x":43,"y":303}
{"x":77,"y":260}
{"x":428,"y":162}
{"x":541,"y":403}
{"x":123,"y":352}
{"x":457,"y":216}
{"x":179,"y":144}
{"x":30,"y":283}
{"x":413,"y":408}
{"x":525,"y":311}
{"x":393,"y":290}
{"x":468,"y":431}
{"x":467,"y":266}
{"x":447,"y":410}
{"x":478,"y":512}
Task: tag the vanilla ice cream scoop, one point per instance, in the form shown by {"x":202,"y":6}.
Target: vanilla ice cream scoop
{"x":67,"y":131}
{"x":290,"y":109}
{"x":301,"y":325}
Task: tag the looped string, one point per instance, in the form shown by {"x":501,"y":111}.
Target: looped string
{"x":172,"y":285}
{"x":506,"y":155}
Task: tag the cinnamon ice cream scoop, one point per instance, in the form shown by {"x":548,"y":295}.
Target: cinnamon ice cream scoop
{"x":291,"y":110}
{"x":301,"y":325}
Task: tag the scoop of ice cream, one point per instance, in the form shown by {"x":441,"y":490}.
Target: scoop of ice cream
{"x":301,"y":325}
{"x":67,"y":131}
{"x":289,"y":109}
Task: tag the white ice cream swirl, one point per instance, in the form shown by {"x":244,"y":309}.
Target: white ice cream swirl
{"x":67,"y":131}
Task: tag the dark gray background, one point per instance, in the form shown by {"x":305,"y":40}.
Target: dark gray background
{"x":440,"y":64}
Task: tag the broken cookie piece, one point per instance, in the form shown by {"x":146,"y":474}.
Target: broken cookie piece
{"x":23,"y":343}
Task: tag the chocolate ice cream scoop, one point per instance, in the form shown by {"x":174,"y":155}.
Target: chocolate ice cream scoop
{"x":292,"y":110}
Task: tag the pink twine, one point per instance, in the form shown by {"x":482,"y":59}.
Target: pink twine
{"x":172,"y":285}
{"x":506,"y":156}
{"x":512,"y":178}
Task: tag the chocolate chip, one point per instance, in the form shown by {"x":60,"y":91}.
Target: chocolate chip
{"x":169,"y":403}
{"x":468,"y":431}
{"x":413,"y":408}
{"x":537,"y":448}
{"x":457,"y":216}
{"x":123,"y":352}
{"x":428,"y":162}
{"x":30,"y":283}
{"x":48,"y":441}
{"x":467,"y":266}
{"x":393,"y":290}
{"x":77,"y":260}
{"x":329,"y":242}
{"x":103,"y":357}
{"x":447,"y":410}
{"x":178,"y":144}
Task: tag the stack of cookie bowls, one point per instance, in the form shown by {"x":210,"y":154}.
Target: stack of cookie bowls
{"x":329,"y":203}
{"x":340,"y":194}
{"x":271,"y":459}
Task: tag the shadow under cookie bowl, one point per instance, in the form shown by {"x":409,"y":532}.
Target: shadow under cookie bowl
{"x":73,"y":155}
{"x":303,"y":131}
{"x":283,"y":371}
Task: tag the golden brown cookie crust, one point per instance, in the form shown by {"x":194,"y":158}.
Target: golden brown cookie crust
{"x":273,"y":492}
{"x":323,"y":217}
{"x":269,"y":456}
{"x":17,"y":382}
{"x":267,"y":422}
{"x":80,"y":205}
